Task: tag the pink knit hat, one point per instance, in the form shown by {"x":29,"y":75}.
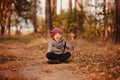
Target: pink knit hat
{"x":54,"y":31}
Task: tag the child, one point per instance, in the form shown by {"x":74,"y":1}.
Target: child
{"x":56,"y":47}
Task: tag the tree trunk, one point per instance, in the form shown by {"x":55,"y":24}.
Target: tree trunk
{"x":53,"y":7}
{"x":34,"y":16}
{"x":2,"y":30}
{"x":105,"y":22}
{"x":75,"y":8}
{"x":109,"y":6}
{"x":48,"y":16}
{"x":2,"y":18}
{"x":79,"y":5}
{"x":80,"y":16}
{"x":9,"y":21}
{"x":117,"y":25}
{"x":70,"y":5}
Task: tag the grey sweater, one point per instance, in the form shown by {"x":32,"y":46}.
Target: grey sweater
{"x":58,"y":47}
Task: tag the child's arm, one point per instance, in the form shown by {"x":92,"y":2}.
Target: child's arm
{"x":49,"y":47}
{"x":70,"y":47}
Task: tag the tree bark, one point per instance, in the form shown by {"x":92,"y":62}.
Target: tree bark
{"x":109,"y":6}
{"x":53,"y":7}
{"x":2,"y":30}
{"x":34,"y":16}
{"x":70,"y":5}
{"x":2,"y":19}
{"x":48,"y":15}
{"x":80,"y":16}
{"x":9,"y":21}
{"x":117,"y":25}
{"x":105,"y":22}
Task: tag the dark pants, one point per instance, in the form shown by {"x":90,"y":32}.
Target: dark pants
{"x":60,"y":57}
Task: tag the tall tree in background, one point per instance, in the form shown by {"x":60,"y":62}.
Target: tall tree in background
{"x":80,"y":15}
{"x":34,"y":15}
{"x":2,"y":19}
{"x":75,"y":8}
{"x":48,"y":15}
{"x":111,"y":19}
{"x":70,"y":6}
{"x":9,"y":15}
{"x":70,"y":14}
{"x":109,"y":6}
{"x":5,"y":13}
{"x":117,"y":36}
{"x":53,"y":7}
{"x":105,"y":21}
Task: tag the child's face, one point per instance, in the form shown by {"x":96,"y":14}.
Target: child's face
{"x":57,"y":36}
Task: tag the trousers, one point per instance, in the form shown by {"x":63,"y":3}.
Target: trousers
{"x":60,"y":57}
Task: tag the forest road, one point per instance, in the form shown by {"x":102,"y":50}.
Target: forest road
{"x":34,"y":65}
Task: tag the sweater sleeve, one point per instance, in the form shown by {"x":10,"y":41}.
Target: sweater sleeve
{"x":70,"y":47}
{"x":49,"y":47}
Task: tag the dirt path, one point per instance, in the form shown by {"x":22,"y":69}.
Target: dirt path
{"x":28,"y":62}
{"x":50,"y":72}
{"x":36,"y":67}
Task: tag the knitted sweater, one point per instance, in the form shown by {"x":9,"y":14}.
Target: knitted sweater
{"x":58,"y":47}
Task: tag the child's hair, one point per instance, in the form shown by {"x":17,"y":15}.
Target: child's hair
{"x":54,"y":31}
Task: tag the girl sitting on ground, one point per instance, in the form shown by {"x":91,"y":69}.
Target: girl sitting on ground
{"x":55,"y":53}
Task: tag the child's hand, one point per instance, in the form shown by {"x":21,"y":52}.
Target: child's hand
{"x":53,"y":48}
{"x":72,"y":47}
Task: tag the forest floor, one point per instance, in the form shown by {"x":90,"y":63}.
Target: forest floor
{"x":89,"y":61}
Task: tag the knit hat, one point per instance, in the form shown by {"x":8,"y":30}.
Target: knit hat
{"x":54,"y":31}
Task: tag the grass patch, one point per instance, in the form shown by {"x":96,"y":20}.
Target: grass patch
{"x":15,"y":39}
{"x":4,"y":59}
{"x":9,"y":58}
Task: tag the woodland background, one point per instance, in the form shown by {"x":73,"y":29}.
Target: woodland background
{"x":89,"y":19}
{"x":92,"y":26}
